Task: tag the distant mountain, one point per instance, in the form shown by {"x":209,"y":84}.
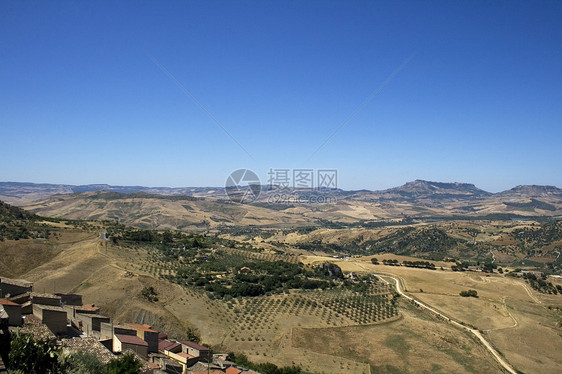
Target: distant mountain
{"x":436,"y":190}
{"x":210,"y":206}
{"x":532,"y":191}
{"x":21,"y":193}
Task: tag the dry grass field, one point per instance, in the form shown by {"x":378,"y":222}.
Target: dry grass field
{"x":524,"y":325}
{"x":416,"y":343}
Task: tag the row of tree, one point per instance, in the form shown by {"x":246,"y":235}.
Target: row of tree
{"x":412,"y":264}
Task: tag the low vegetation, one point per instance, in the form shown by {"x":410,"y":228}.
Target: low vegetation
{"x":31,"y":356}
{"x":469,"y":293}
{"x":540,"y":284}
{"x":263,"y":368}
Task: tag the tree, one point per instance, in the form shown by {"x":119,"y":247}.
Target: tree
{"x":193,"y":335}
{"x":375,"y":261}
{"x":31,"y":356}
{"x":126,"y":364}
{"x":469,"y":293}
{"x":85,"y":363}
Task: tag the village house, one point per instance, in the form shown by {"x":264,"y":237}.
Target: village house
{"x":70,"y":299}
{"x":196,"y":350}
{"x":49,"y":315}
{"x":45,"y":299}
{"x":35,"y":328}
{"x":13,"y":287}
{"x":54,"y":317}
{"x":146,"y":333}
{"x":165,"y":346}
{"x":14,"y":312}
{"x":166,"y":364}
{"x":108,"y":329}
{"x":87,"y":345}
{"x":122,"y":343}
{"x":89,"y":324}
{"x":24,"y":300}
{"x":73,"y":310}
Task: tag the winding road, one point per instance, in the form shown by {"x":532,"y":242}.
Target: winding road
{"x":475,"y":332}
{"x":400,"y":290}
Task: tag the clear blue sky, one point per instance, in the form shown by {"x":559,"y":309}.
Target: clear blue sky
{"x":479,"y":100}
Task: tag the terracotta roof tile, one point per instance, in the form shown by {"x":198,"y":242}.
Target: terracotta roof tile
{"x":233,"y":370}
{"x":7,"y":302}
{"x":142,"y":327}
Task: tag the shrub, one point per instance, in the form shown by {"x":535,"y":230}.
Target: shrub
{"x":126,"y":364}
{"x":469,"y":293}
{"x":85,"y":363}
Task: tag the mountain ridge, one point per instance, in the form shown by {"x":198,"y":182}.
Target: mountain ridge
{"x":28,"y":191}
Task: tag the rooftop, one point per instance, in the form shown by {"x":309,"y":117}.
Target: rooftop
{"x":232,"y":370}
{"x":88,"y":345}
{"x":142,"y":327}
{"x":34,"y":327}
{"x":67,"y":294}
{"x":131,"y":339}
{"x":49,"y":307}
{"x":167,"y":345}
{"x":185,"y":355}
{"x":47,"y":295}
{"x":7,"y":302}
{"x":92,"y":316}
{"x":16,"y":282}
{"x":91,"y":307}
{"x":194,"y":345}
{"x":22,"y":296}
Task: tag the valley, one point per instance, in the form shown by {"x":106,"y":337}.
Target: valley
{"x":221,"y":282}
